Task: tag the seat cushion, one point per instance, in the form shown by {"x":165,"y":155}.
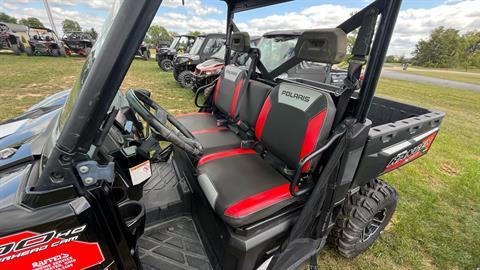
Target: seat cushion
{"x":241,"y":187}
{"x":198,"y":121}
{"x":212,"y":137}
{"x":218,"y":139}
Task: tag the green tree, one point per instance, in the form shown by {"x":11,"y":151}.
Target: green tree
{"x":157,"y":34}
{"x":470,"y":49}
{"x":31,"y":22}
{"x":194,"y":33}
{"x":93,"y":33}
{"x":441,"y":49}
{"x":7,"y":18}
{"x":70,"y":26}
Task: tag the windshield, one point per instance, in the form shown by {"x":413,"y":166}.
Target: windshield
{"x":276,"y":50}
{"x":197,"y":45}
{"x":174,"y":43}
{"x":96,"y":49}
{"x":220,"y":54}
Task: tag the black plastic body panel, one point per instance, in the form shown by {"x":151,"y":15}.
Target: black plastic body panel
{"x":396,"y":128}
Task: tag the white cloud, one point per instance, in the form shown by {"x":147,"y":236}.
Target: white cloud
{"x":193,"y":7}
{"x":182,"y":23}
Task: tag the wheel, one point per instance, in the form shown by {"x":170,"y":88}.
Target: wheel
{"x":175,"y":74}
{"x":166,"y":65}
{"x":55,"y":52}
{"x":186,"y":79}
{"x":146,"y":55}
{"x":29,"y":51}
{"x":16,"y":49}
{"x":363,"y":217}
{"x":21,"y":47}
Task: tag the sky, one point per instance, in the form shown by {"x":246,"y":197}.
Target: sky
{"x":416,"y":19}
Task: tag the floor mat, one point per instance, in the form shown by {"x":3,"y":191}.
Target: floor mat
{"x":172,"y":245}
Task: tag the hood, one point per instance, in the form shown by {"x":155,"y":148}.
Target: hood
{"x":23,"y":137}
{"x":166,"y":50}
{"x":192,"y":57}
{"x":210,"y":64}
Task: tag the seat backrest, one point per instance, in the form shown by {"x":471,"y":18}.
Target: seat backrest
{"x":252,"y":101}
{"x":228,"y":90}
{"x":294,"y":121}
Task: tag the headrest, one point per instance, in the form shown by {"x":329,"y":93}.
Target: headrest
{"x":241,"y":42}
{"x":327,"y":46}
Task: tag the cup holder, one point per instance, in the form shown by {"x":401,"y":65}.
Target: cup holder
{"x":119,"y":194}
{"x":133,"y":215}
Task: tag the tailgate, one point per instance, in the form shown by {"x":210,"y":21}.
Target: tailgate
{"x":390,"y":146}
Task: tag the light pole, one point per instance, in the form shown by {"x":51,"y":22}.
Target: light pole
{"x":49,"y":15}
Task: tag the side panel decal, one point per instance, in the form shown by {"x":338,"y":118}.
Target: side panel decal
{"x":48,"y":251}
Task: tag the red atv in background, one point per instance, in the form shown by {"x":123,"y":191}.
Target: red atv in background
{"x":10,"y":38}
{"x":78,"y":42}
{"x":43,"y":41}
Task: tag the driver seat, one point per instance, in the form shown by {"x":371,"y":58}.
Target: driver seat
{"x":241,"y":185}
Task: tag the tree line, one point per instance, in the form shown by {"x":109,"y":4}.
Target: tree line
{"x":445,"y":48}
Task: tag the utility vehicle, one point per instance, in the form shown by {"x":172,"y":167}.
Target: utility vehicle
{"x":204,"y":47}
{"x":259,"y":178}
{"x":44,"y":41}
{"x":11,"y":36}
{"x":80,"y":43}
{"x":180,"y":44}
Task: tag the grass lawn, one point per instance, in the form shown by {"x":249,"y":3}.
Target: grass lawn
{"x":437,"y":223}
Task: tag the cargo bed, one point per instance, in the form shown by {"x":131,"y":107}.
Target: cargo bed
{"x":399,"y":134}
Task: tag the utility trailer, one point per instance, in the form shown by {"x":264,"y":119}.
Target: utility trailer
{"x":260,"y":177}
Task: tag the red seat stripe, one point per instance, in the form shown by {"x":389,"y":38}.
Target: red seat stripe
{"x":224,"y":154}
{"x":217,"y":89}
{"x":236,"y":94}
{"x":311,"y":135}
{"x":190,"y":114}
{"x":259,"y":201}
{"x":208,"y":130}
{"x":262,"y":117}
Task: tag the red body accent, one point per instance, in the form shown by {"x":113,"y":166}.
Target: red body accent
{"x":57,"y":253}
{"x":190,"y":114}
{"x":236,"y":94}
{"x":259,"y":201}
{"x":224,"y":154}
{"x":427,"y":141}
{"x":208,"y":130}
{"x":217,"y":88}
{"x":311,"y":135}
{"x":262,"y":117}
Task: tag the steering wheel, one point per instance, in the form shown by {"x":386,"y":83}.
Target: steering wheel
{"x":181,"y":137}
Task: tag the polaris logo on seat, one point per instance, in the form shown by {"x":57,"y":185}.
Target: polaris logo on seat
{"x":295,"y":95}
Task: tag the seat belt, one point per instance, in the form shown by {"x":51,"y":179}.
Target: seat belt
{"x":360,"y":52}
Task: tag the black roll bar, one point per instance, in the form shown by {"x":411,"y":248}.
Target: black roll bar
{"x":375,"y":62}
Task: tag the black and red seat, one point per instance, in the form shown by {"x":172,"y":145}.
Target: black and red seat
{"x":235,"y":98}
{"x":243,"y":186}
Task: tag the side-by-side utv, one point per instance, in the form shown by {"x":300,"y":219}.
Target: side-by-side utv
{"x":165,"y":55}
{"x":203,"y":48}
{"x":13,"y":37}
{"x":260,"y":177}
{"x":44,"y":41}
{"x":77,"y":42}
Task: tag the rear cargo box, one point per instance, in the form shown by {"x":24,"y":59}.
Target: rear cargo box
{"x":400,"y":133}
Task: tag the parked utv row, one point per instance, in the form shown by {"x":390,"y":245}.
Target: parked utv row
{"x":265,"y":171}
